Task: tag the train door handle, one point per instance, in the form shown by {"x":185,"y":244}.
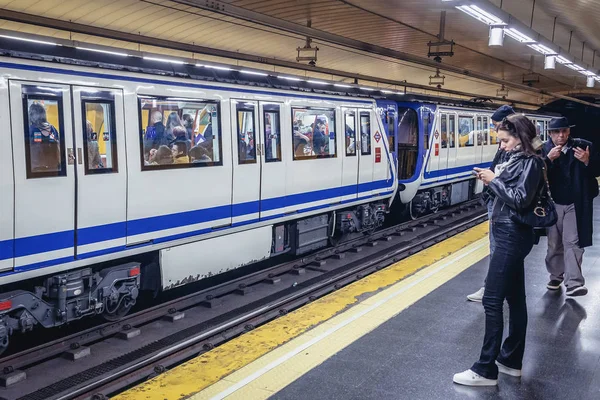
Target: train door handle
{"x":79,"y":155}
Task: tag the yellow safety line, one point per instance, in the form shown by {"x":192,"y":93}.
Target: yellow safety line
{"x":209,"y":368}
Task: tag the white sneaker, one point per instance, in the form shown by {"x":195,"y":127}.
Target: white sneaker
{"x":477,"y":296}
{"x":507,"y":370}
{"x":470,"y":378}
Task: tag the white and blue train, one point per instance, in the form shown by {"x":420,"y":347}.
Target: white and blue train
{"x":113,"y":182}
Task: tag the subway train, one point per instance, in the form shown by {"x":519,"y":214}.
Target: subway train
{"x":114,"y":182}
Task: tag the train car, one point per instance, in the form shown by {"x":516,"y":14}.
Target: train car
{"x":436,"y":145}
{"x":112,"y":182}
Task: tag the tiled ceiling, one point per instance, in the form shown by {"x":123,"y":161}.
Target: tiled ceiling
{"x":401,"y":25}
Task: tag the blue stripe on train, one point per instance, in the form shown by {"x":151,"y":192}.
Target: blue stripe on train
{"x":61,"y":240}
{"x":451,"y":171}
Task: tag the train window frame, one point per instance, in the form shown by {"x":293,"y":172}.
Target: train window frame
{"x":452,"y":123}
{"x":479,"y":130}
{"x":96,"y":99}
{"x":368,"y":151}
{"x":486,"y":130}
{"x":58,"y":98}
{"x":426,"y":120}
{"x":472,"y":118}
{"x":162,"y":167}
{"x":443,"y":130}
{"x":243,"y":107}
{"x":335,"y":141}
{"x":353,"y":115}
{"x":270,"y":109}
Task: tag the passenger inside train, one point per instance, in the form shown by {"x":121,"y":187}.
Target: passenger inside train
{"x":44,"y":141}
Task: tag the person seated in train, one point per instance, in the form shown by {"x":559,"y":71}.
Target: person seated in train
{"x":164,"y":155}
{"x":44,"y":141}
{"x":199,"y":154}
{"x":301,"y":145}
{"x":155,"y":133}
{"x":94,"y":160}
{"x":173,"y":121}
{"x":320,"y":138}
{"x":180,"y":151}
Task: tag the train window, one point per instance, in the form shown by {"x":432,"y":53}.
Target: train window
{"x":426,"y":122}
{"x":466,"y":130}
{"x":444,"y":130}
{"x":245,"y":131}
{"x":314,"y":133}
{"x":272,"y":134}
{"x":99,"y":132}
{"x":191,"y":136}
{"x":44,"y":132}
{"x":365,"y":133}
{"x":390,"y":116}
{"x":479,"y":132}
{"x":408,"y":143}
{"x":452,"y":131}
{"x":350,"y":134}
{"x":486,"y":130}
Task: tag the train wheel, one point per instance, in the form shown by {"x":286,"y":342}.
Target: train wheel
{"x":412,"y":215}
{"x":122,"y":308}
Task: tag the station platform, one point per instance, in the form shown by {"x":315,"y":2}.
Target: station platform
{"x":401,"y":334}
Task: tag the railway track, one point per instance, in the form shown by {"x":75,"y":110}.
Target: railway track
{"x":105,"y":359}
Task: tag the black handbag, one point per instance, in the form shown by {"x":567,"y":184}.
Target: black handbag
{"x":542,"y":214}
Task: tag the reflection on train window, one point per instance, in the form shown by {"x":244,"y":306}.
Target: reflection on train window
{"x":245,"y":131}
{"x":541,"y":129}
{"x":99,"y":133}
{"x":452,"y":132}
{"x":444,"y":131}
{"x":350,"y":134}
{"x":466,"y":130}
{"x":44,"y":140}
{"x":189,"y":135}
{"x":272,"y":134}
{"x":479,"y":132}
{"x":486,"y":130}
{"x":365,"y":133}
{"x":408,"y":149}
{"x":493,"y":133}
{"x":314,"y":133}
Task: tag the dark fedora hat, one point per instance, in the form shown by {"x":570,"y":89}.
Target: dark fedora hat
{"x":556,"y":124}
{"x":502,"y":112}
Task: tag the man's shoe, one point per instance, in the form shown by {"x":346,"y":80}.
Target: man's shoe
{"x":470,"y":378}
{"x":477,"y":296}
{"x":503,"y":369}
{"x":554,"y":284}
{"x":577,"y":291}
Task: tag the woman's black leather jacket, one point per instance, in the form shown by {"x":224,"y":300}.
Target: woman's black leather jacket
{"x":516,"y":186}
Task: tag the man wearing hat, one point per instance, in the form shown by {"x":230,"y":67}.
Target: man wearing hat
{"x":572,"y":169}
{"x":497,"y":117}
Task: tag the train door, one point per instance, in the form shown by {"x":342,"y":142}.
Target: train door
{"x":466,"y":151}
{"x":442,"y":143}
{"x":368,"y":156}
{"x":273,"y":164}
{"x":101,"y":170}
{"x":391,"y":123}
{"x":350,"y":171}
{"x":247,"y":169}
{"x":6,"y":188}
{"x":44,"y":175}
{"x":452,"y":143}
{"x":479,"y":148}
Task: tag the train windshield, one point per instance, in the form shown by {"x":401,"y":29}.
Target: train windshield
{"x":408,"y":142}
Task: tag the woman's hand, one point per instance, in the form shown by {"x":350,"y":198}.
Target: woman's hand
{"x":485,"y":175}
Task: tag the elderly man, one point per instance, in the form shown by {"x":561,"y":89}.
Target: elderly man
{"x":572,"y":168}
{"x":497,"y":117}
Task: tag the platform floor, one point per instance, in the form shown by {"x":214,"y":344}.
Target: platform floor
{"x":401,"y":334}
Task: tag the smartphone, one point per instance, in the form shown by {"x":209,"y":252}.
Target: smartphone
{"x":475,"y":173}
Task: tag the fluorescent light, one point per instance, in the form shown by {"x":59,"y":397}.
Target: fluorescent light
{"x":540,"y":48}
{"x":562,"y":60}
{"x":317,"y":82}
{"x":400,"y":93}
{"x":115,"y":53}
{"x":481,"y":15}
{"x":367,"y":89}
{"x":289,"y":78}
{"x":341,"y":85}
{"x":245,"y":71}
{"x":518,"y":36}
{"x":29,"y":40}
{"x":587,"y":73}
{"x":575,"y":67}
{"x":386,"y":91}
{"x":165,"y":60}
{"x":219,"y":68}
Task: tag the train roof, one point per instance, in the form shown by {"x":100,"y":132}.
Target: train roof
{"x":65,"y":55}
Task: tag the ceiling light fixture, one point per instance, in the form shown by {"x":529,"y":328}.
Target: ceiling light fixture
{"x":590,"y":82}
{"x":562,"y":60}
{"x":219,"y":68}
{"x":164,"y":60}
{"x":115,"y":53}
{"x":245,"y":71}
{"x":289,"y":78}
{"x":496,"y":36}
{"x":367,"y":89}
{"x":518,"y":36}
{"x":550,"y":62}
{"x":341,"y":85}
{"x":540,"y":48}
{"x":30,"y":40}
{"x":481,"y":15}
{"x":316,"y":82}
{"x":575,"y":67}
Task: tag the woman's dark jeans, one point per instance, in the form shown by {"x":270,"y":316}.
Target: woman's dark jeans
{"x":505,"y":280}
